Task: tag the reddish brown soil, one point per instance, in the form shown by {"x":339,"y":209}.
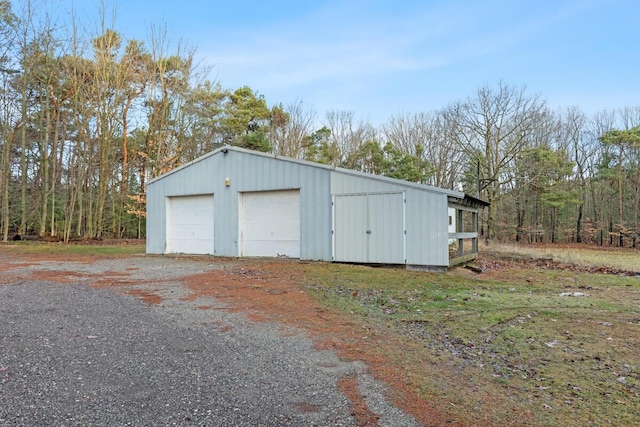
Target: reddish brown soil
{"x":148,"y":297}
{"x":359,"y":409}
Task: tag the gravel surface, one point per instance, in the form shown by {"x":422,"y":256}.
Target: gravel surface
{"x":73,"y":354}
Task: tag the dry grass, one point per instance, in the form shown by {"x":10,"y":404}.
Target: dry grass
{"x":619,"y":258}
{"x":89,"y":248}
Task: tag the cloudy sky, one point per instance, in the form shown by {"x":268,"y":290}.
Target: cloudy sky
{"x":380,"y":58}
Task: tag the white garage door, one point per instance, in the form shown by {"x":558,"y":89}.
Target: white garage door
{"x":190,"y":224}
{"x":270,"y":223}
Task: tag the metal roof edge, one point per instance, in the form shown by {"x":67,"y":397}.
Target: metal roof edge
{"x":226,"y":148}
{"x":415,"y":185}
{"x":186,"y":165}
{"x":469,"y":200}
{"x":477,"y":200}
{"x":277,"y":157}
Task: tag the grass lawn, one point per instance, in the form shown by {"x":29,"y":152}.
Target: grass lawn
{"x":515,"y":345}
{"x":112,"y":247}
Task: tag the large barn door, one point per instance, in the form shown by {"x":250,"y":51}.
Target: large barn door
{"x":270,"y":223}
{"x":190,"y":224}
{"x":369,"y":228}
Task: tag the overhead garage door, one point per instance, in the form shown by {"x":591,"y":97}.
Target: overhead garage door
{"x":190,"y":224}
{"x":270,"y":223}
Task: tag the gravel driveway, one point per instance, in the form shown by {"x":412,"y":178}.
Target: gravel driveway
{"x":73,"y":353}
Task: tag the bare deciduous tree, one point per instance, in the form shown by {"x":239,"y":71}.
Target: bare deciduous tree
{"x":347,"y":136}
{"x":493,"y":127}
{"x":426,"y":136}
{"x":288,"y":139}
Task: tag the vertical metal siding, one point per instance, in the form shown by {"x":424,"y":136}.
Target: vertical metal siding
{"x":156,"y":216}
{"x":427,"y":229}
{"x":247,"y":172}
{"x":199,"y":178}
{"x":258,"y":173}
{"x":345,"y":183}
{"x":426,"y":216}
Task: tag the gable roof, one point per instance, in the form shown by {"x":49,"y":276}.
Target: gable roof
{"x":225,"y":149}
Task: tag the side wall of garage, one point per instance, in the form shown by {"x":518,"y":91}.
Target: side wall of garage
{"x":426,"y":216}
{"x":195,"y":179}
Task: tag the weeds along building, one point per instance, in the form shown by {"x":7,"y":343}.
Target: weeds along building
{"x":241,"y":203}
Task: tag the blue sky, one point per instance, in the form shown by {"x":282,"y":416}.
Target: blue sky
{"x":380,"y":58}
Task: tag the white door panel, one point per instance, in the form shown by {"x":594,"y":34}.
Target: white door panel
{"x":270,"y":223}
{"x":369,"y":228}
{"x":190,"y":224}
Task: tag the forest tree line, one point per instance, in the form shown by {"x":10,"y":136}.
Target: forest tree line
{"x":86,"y":120}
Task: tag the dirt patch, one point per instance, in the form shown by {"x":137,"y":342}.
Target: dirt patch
{"x":15,"y":266}
{"x":59,"y":276}
{"x":104,"y":280}
{"x":308,"y":407}
{"x":359,"y":409}
{"x":110,"y":279}
{"x":146,"y":296}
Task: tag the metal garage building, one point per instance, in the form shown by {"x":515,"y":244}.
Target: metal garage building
{"x":237,"y":202}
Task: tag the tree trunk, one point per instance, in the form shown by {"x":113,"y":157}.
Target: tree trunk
{"x":4,"y":185}
{"x":73,"y":189}
{"x":554,"y":221}
{"x":44,"y":165}
{"x":579,"y":224}
{"x":620,"y":201}
{"x":490,"y":214}
{"x":22,"y":229}
{"x":5,"y":181}
{"x":520,"y":214}
{"x":54,"y":173}
{"x":637,"y":203}
{"x":125,"y":158}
